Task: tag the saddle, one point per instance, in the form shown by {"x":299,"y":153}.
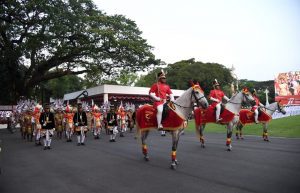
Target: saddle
{"x":146,"y":118}
{"x":165,"y":112}
{"x":222,"y":108}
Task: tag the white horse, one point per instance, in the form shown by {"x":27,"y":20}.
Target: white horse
{"x":266,"y":112}
{"x":228,"y":115}
{"x":174,"y":121}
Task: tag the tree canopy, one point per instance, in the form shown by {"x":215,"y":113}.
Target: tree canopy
{"x":181,"y":73}
{"x":41,"y":40}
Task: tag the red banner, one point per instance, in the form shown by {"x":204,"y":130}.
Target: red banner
{"x":287,"y":88}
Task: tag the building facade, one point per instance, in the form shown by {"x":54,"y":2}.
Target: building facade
{"x":114,"y":94}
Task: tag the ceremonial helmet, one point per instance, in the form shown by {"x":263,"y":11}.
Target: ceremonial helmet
{"x":161,"y":74}
{"x":68,"y":108}
{"x":47,"y":106}
{"x":215,"y":83}
{"x":95,"y":108}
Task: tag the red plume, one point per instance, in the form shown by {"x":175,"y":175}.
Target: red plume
{"x":192,"y":83}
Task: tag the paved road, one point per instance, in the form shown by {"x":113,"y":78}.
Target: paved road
{"x":101,"y":166}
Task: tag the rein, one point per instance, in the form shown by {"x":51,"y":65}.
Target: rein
{"x":238,"y":103}
{"x":192,"y":95}
{"x":279,"y":109}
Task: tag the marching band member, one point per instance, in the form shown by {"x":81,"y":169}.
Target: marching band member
{"x":216,"y":95}
{"x":47,"y":122}
{"x":96,"y":121}
{"x":112,"y":124}
{"x":158,"y":92}
{"x":68,"y":122}
{"x":130,"y":119}
{"x":80,"y":121}
{"x":36,"y":124}
{"x":121,"y":117}
{"x":59,"y":117}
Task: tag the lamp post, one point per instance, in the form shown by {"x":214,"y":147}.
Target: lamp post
{"x":236,"y":77}
{"x":267,"y":96}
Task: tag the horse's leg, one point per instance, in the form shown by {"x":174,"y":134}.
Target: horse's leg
{"x":144,"y":135}
{"x":175,"y":139}
{"x":265,"y":132}
{"x":229,"y":134}
{"x":239,"y":133}
{"x":201,"y":132}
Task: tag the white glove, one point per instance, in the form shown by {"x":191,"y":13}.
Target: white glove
{"x":152,"y":95}
{"x":214,"y":99}
{"x":172,"y":98}
{"x":226,"y":98}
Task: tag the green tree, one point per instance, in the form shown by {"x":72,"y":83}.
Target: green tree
{"x":66,"y":84}
{"x":41,"y":40}
{"x":181,"y":73}
{"x":260,"y":87}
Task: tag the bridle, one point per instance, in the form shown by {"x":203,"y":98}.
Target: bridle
{"x":245,"y":96}
{"x":193,"y":94}
{"x":279,"y":108}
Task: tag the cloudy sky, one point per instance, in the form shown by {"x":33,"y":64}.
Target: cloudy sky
{"x":260,"y":38}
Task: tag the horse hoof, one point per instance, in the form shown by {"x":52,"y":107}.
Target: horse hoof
{"x":146,"y":158}
{"x":229,"y":147}
{"x":176,"y":162}
{"x":202,"y":145}
{"x":173,"y":166}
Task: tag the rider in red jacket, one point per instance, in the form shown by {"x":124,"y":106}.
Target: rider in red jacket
{"x":216,"y":95}
{"x":255,"y":107}
{"x":158,"y":92}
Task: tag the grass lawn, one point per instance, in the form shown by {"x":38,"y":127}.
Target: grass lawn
{"x":284,"y":127}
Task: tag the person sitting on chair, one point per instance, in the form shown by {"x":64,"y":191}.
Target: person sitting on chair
{"x":216,"y":95}
{"x":255,"y":107}
{"x":158,"y":92}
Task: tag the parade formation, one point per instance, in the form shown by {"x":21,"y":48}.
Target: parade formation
{"x":40,"y":123}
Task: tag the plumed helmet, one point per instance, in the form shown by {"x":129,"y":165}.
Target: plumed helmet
{"x":37,"y":108}
{"x":161,"y":74}
{"x":216,"y":83}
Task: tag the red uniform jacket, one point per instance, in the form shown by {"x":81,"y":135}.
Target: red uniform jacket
{"x":217,"y":94}
{"x":257,"y":101}
{"x":161,"y":90}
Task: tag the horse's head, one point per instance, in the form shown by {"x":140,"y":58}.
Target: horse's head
{"x":281,"y":108}
{"x":247,"y":97}
{"x":198,"y":96}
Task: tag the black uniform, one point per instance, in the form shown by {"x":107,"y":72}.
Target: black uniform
{"x":47,"y":118}
{"x":112,"y":119}
{"x":80,"y":119}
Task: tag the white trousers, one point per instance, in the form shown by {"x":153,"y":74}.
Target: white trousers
{"x":159,"y":114}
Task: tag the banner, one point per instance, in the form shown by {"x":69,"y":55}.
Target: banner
{"x":287,"y":88}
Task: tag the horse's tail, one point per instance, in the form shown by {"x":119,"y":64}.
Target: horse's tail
{"x":197,"y":130}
